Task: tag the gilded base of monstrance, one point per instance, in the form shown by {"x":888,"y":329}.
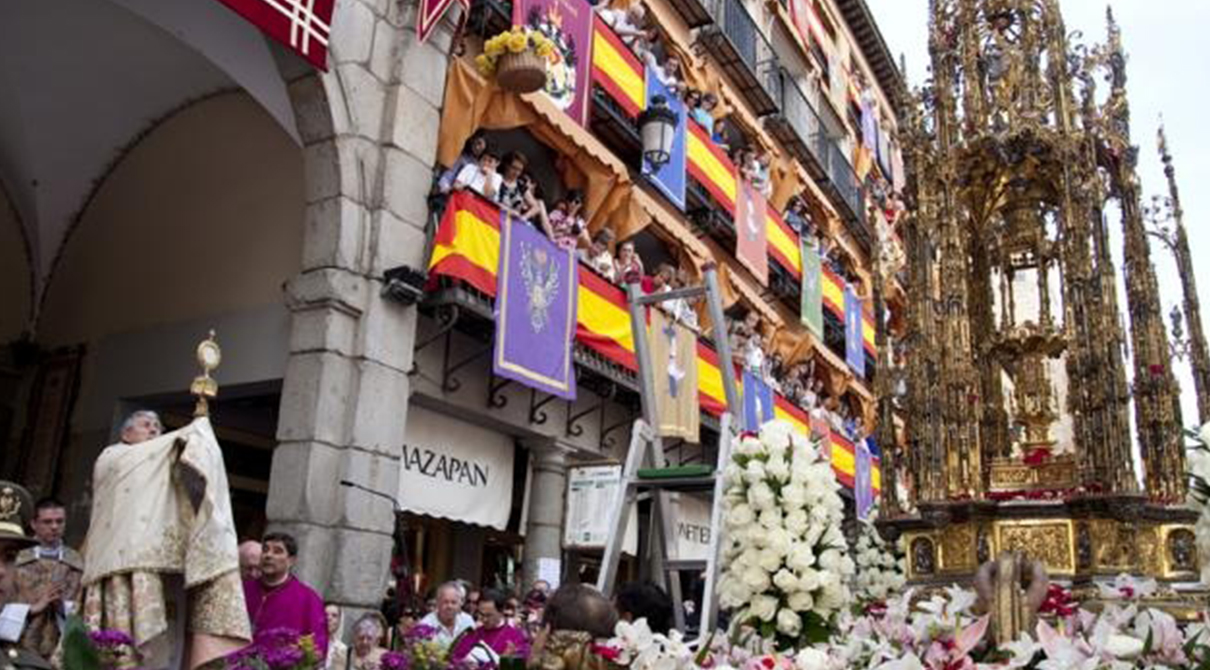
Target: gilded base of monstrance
{"x":1081,"y":541}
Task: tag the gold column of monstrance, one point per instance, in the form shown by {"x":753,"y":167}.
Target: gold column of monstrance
{"x":1018,"y":402}
{"x":204,"y":387}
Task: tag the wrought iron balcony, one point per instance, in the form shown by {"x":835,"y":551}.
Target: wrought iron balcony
{"x":803,"y":132}
{"x":744,"y":53}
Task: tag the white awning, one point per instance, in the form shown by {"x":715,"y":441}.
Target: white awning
{"x":456,"y":470}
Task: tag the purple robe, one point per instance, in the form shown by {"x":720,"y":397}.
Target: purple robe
{"x":292,"y":605}
{"x":497,"y":639}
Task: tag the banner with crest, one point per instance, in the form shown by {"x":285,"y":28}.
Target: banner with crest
{"x":535,"y":310}
{"x":568,"y":24}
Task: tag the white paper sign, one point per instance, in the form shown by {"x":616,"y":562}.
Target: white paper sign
{"x":456,"y":470}
{"x":12,"y":621}
{"x":692,"y":528}
{"x":592,"y":492}
{"x":550,"y":570}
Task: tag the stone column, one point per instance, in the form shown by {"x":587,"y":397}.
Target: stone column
{"x":548,"y":488}
{"x":369,"y":128}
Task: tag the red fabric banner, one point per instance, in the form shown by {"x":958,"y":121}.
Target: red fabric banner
{"x":302,"y":25}
{"x":751,"y":233}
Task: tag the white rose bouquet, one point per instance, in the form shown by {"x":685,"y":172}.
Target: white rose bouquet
{"x":786,"y":568}
{"x":1199,"y":492}
{"x":881,"y":566}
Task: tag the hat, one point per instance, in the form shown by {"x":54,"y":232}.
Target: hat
{"x":15,"y":507}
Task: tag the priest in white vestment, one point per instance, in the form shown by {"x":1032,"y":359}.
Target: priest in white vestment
{"x":161,"y":558}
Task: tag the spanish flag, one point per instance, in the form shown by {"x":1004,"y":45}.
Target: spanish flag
{"x":603,"y":319}
{"x":710,"y":381}
{"x":784,"y":247}
{"x":867,"y":331}
{"x":468,"y":242}
{"x":616,"y":69}
{"x":833,"y":293}
{"x":711,"y":167}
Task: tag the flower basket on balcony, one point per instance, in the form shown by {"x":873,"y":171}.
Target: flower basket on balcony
{"x":517,"y":58}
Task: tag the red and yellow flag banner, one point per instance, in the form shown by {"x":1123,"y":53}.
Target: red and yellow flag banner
{"x":603,"y":319}
{"x":616,"y":69}
{"x":710,"y":381}
{"x":467,"y":248}
{"x":784,"y":247}
{"x":868,"y":332}
{"x":467,"y":244}
{"x":833,"y":293}
{"x":711,"y":167}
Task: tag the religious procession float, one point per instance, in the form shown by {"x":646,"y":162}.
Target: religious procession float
{"x":1014,"y":530}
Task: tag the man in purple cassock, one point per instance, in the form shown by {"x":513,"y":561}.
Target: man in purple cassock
{"x":279,"y":600}
{"x":493,"y":639}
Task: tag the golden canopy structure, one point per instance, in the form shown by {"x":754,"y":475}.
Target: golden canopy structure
{"x":1018,"y":433}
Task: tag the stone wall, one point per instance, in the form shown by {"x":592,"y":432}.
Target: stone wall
{"x":369,"y":129}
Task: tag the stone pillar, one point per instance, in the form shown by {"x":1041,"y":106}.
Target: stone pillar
{"x":369,"y":128}
{"x":547,"y":491}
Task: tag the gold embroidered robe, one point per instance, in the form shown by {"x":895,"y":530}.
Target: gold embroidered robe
{"x":31,"y":577}
{"x":162,"y":547}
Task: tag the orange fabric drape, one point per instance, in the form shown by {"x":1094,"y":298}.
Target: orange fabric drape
{"x":471,"y":103}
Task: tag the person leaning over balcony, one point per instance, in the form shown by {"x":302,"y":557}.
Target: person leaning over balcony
{"x":471,"y":151}
{"x":518,"y":191}
{"x":629,"y":266}
{"x":599,"y":257}
{"x":628,"y":24}
{"x":704,"y":114}
{"x":481,"y":177}
{"x":796,"y":215}
{"x":564,"y":225}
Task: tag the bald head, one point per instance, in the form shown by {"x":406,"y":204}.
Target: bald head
{"x":249,"y":560}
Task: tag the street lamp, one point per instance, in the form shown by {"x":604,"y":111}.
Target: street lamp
{"x":657,"y":126}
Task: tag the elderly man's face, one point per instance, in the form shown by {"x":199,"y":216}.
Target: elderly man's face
{"x":143,"y":428}
{"x":249,"y":559}
{"x":449,"y":604}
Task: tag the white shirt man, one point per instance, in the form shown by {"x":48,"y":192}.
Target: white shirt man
{"x":449,"y":620}
{"x":481,"y":177}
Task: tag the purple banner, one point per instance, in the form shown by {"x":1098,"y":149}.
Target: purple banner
{"x":863,"y":480}
{"x":535,"y":310}
{"x":568,"y":23}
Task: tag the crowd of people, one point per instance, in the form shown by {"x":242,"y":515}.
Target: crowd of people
{"x":514,"y":188}
{"x":474,"y":628}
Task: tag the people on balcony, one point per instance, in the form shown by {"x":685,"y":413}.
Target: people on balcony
{"x":701,"y":108}
{"x":797,"y":217}
{"x":600,"y":258}
{"x":564,"y":224}
{"x":629,"y":268}
{"x":481,"y":177}
{"x":518,"y":191}
{"x":471,"y":152}
{"x":629,"y":24}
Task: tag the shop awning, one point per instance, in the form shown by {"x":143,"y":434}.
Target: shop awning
{"x":456,"y":470}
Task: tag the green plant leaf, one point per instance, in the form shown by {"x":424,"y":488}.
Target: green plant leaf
{"x":79,"y":653}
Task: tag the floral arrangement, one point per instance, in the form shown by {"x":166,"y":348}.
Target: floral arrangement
{"x":514,"y":41}
{"x":881,"y":567}
{"x":1199,"y":493}
{"x":785,"y":559}
{"x":277,"y":649}
{"x":96,"y":650}
{"x":419,"y":650}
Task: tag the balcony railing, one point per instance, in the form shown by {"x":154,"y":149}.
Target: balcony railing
{"x":744,"y":52}
{"x":801,"y":129}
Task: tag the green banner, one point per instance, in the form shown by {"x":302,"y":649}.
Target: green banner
{"x":812,"y":289}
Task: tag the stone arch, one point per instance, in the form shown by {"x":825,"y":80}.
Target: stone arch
{"x":219,"y":157}
{"x":16,"y":272}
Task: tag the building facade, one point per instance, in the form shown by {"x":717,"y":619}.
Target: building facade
{"x":178,"y":172}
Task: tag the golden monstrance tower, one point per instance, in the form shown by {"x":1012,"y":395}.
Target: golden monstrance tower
{"x":1018,"y":397}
